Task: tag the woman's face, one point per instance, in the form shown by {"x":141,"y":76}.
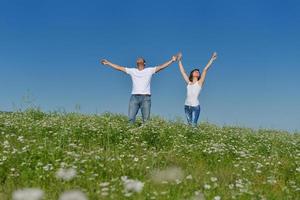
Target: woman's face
{"x":196,"y":74}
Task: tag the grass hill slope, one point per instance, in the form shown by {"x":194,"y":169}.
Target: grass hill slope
{"x":104,"y":157}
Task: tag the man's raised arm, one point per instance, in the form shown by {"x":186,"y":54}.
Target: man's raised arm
{"x":115,"y":66}
{"x":166,"y":64}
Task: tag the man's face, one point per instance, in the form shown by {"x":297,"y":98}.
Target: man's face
{"x":140,"y":63}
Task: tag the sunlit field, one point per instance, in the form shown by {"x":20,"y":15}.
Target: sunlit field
{"x":55,"y":156}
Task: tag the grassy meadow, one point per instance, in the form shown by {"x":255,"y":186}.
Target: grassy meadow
{"x":109,"y":159}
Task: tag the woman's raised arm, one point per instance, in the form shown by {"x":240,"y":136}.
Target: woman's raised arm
{"x":208,"y":65}
{"x":181,"y":68}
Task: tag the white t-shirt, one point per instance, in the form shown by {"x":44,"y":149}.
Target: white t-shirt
{"x":141,"y":79}
{"x":193,"y":92}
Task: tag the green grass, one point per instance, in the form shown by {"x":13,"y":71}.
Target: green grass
{"x":248,"y":164}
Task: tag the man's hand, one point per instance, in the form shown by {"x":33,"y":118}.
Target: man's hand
{"x":214,"y":56}
{"x":104,"y":62}
{"x":174,"y":58}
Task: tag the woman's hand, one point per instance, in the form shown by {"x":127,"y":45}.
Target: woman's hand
{"x":179,"y":56}
{"x":214,"y":56}
{"x":176,"y":57}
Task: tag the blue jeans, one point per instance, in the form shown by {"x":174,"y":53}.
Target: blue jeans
{"x":192,"y":114}
{"x":138,"y":101}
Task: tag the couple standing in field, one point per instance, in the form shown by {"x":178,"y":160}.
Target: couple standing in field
{"x":141,"y":81}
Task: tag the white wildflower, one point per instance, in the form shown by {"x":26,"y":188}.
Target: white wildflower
{"x":132,"y":185}
{"x":105,"y":184}
{"x":28,"y":194}
{"x":73,"y":195}
{"x":168,"y":175}
{"x":207,"y":186}
{"x":66,"y":174}
{"x":104,"y":194}
{"x":127,"y":194}
{"x":217,"y":198}
{"x":48,"y":167}
{"x":189,"y":177}
{"x":214,"y":179}
{"x":271,"y":180}
{"x":198,"y":196}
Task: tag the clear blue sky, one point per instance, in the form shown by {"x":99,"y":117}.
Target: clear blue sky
{"x":51,"y":48}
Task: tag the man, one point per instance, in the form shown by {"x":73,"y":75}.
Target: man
{"x":141,"y":81}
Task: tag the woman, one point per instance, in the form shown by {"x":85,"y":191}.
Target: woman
{"x":194,"y":85}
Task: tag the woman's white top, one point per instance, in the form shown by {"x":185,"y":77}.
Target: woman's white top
{"x":193,"y":92}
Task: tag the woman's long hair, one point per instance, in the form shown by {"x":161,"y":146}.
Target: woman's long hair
{"x":191,"y":75}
